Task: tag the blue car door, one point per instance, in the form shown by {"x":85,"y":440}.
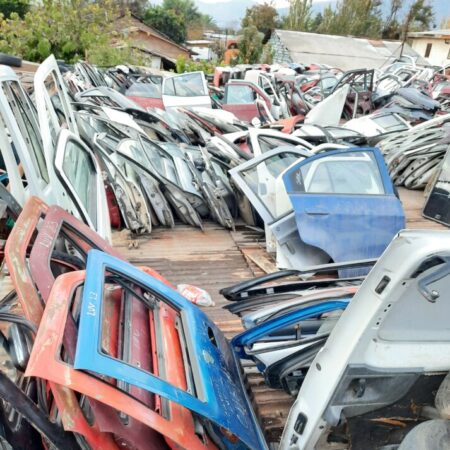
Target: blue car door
{"x":345,"y":203}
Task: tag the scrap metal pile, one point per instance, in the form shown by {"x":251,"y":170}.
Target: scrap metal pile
{"x":100,"y":354}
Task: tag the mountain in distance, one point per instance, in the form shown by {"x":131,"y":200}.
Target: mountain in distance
{"x":227,"y":14}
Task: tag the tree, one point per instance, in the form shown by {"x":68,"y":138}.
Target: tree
{"x":199,"y":25}
{"x":315,"y":23}
{"x":420,"y":16}
{"x":299,"y":17}
{"x":70,"y":29}
{"x":356,"y":18}
{"x":250,"y":45}
{"x":136,"y":7}
{"x":391,"y":26}
{"x":185,"y":9}
{"x":167,"y":22}
{"x":8,"y":7}
{"x":326,"y":24}
{"x":264,"y":17}
{"x":178,"y":19}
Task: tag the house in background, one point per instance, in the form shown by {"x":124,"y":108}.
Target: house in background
{"x":158,"y":50}
{"x":433,"y":45}
{"x":344,"y":52}
{"x":202,"y":49}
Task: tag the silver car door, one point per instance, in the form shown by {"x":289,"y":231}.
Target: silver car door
{"x":80,"y":174}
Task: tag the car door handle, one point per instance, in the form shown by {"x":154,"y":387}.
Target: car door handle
{"x":313,"y":212}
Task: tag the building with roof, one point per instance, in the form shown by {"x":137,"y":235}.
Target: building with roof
{"x":433,"y":45}
{"x":159,"y":50}
{"x":344,"y":52}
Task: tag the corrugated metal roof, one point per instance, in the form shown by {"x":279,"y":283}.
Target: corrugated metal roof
{"x":344,"y":52}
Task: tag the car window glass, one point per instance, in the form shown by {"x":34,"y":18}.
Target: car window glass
{"x":240,"y":95}
{"x":79,"y":169}
{"x":161,"y":161}
{"x":144,"y":90}
{"x":328,"y":83}
{"x":389,"y":122}
{"x":189,"y":85}
{"x":169,"y":88}
{"x":265,"y":84}
{"x":267,"y":143}
{"x":58,"y":114}
{"x":348,"y":173}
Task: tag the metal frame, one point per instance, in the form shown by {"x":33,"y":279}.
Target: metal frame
{"x":24,"y":406}
{"x":244,"y":289}
{"x":102,"y":225}
{"x":249,"y":337}
{"x":220,"y":395}
{"x":16,"y":258}
{"x":45,"y":363}
{"x":282,"y":307}
{"x":58,"y":221}
{"x":36,"y":185}
{"x":13,"y":207}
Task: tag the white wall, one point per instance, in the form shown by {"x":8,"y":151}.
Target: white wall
{"x":439,"y":50}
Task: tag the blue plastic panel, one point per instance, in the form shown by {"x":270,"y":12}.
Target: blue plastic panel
{"x":263,"y":330}
{"x":346,"y":226}
{"x":220,"y":395}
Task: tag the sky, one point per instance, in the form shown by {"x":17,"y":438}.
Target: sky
{"x":276,"y":3}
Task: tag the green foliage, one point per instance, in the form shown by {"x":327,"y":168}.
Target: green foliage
{"x":420,"y":16}
{"x":354,"y":17}
{"x":267,"y":54}
{"x":136,"y":7}
{"x":391,"y":26}
{"x":177,"y":19}
{"x":299,"y":17}
{"x":361,"y":18}
{"x":70,"y":29}
{"x":264,"y":17}
{"x":166,"y":21}
{"x":250,"y":45}
{"x":186,"y":9}
{"x":8,"y":7}
{"x":112,"y":56}
{"x":445,"y":23}
{"x":188,"y":65}
{"x":316,"y":23}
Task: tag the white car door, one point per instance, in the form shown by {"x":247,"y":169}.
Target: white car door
{"x":394,"y":331}
{"x":187,"y":90}
{"x":62,"y":145}
{"x":258,"y":179}
{"x":21,"y":141}
{"x":79,"y":173}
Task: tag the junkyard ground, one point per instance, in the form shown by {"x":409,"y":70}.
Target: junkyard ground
{"x":215,"y":258}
